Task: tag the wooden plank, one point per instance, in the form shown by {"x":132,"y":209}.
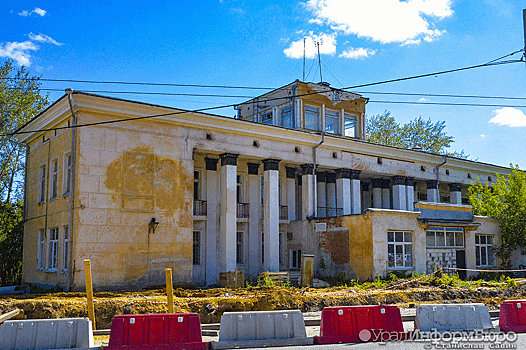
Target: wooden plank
{"x":9,"y":315}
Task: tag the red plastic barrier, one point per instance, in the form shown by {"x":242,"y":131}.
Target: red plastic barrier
{"x":512,"y":317}
{"x":156,"y":331}
{"x":354,"y":324}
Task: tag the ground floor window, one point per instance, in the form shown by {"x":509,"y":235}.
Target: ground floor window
{"x":439,"y":237}
{"x":52,"y":249}
{"x":484,"y":250}
{"x":240,"y":245}
{"x":197,"y":248}
{"x":41,"y":249}
{"x":295,"y":259}
{"x":399,"y":249}
{"x":65,"y":249}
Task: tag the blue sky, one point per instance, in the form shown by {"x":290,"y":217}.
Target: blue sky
{"x":260,"y":44}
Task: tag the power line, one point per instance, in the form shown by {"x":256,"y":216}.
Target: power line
{"x":440,"y":95}
{"x":280,"y":98}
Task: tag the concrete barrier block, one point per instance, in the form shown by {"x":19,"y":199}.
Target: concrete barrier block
{"x":60,"y":333}
{"x":262,"y":328}
{"x":452,"y":317}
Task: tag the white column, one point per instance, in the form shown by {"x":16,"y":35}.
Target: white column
{"x":321,"y":193}
{"x":356,"y":192}
{"x":331,"y":194}
{"x":254,"y":227}
{"x":212,"y":222}
{"x":386,"y":194}
{"x":271,"y":214}
{"x":410,"y":193}
{"x":308,"y":193}
{"x":377,"y":193}
{"x":228,"y":220}
{"x":291,"y":193}
{"x":399,"y":193}
{"x":455,"y":193}
{"x":432,"y":191}
{"x":343,"y":190}
{"x":366,"y":195}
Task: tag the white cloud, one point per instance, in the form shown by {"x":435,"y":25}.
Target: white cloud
{"x":509,"y":116}
{"x":423,"y":100}
{"x":43,"y":39}
{"x":327,"y":46}
{"x":384,"y":21}
{"x":482,"y":135}
{"x":358,"y":53}
{"x":19,"y":52}
{"x":37,"y":10}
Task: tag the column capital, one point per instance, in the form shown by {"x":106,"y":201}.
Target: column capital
{"x":431,"y":184}
{"x":331,"y":178}
{"x":211,"y":164}
{"x":253,"y":168}
{"x":410,"y":181}
{"x":399,"y":180}
{"x":306,"y":169}
{"x":355,"y":174}
{"x":455,"y":187}
{"x":270,"y":164}
{"x":377,"y":183}
{"x":385,"y":183}
{"x":320,"y":176}
{"x":229,"y":159}
{"x":291,"y":172}
{"x":343,"y":173}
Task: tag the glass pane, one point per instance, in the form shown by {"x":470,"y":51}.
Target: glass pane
{"x":350,"y":125}
{"x":491,"y":261}
{"x":430,"y":239}
{"x":477,"y":255}
{"x":312,"y":118}
{"x":390,"y":255}
{"x":440,"y":240}
{"x":408,"y":255}
{"x":450,"y":239}
{"x":399,"y":236}
{"x":390,"y":236}
{"x":399,"y":258}
{"x":477,"y":241}
{"x":482,"y":239}
{"x":331,"y":125}
{"x":459,"y":239}
{"x":407,"y":237}
{"x":489,"y":239}
{"x":286,"y":117}
{"x":483,"y":255}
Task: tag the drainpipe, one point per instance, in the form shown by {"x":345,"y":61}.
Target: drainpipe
{"x":314,"y":173}
{"x":438,"y":176}
{"x":71,"y":267}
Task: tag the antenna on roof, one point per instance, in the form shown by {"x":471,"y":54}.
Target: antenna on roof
{"x":304,"y":59}
{"x":319,"y":59}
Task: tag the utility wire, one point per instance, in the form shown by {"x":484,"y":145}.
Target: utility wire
{"x":440,"y":95}
{"x":268,"y":99}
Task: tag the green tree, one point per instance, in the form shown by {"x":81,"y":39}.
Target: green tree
{"x":11,"y":243}
{"x":20,"y":100}
{"x":504,"y":200}
{"x":417,"y":134}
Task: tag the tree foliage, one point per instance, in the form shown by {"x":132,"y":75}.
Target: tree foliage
{"x":504,"y":200}
{"x":11,"y":243}
{"x":417,"y":134}
{"x":20,"y":100}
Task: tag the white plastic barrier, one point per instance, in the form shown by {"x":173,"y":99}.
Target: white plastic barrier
{"x":452,"y":317}
{"x":62,"y":333}
{"x":262,"y":328}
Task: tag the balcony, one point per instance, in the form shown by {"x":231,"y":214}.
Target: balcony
{"x":243,"y":210}
{"x":283,"y":212}
{"x":199,"y":208}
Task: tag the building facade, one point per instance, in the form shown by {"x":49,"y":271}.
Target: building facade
{"x":291,"y":175}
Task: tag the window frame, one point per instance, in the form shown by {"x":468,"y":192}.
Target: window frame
{"x":52,"y":244}
{"x":53,"y":179}
{"x":488,"y":252}
{"x":264,"y":117}
{"x":287,"y":110}
{"x":196,"y":259}
{"x":311,"y":112}
{"x":240,"y":253}
{"x":353,"y":117}
{"x":65,"y":248}
{"x":41,"y":249}
{"x":403,"y":244}
{"x":445,"y":231}
{"x":295,"y":259}
{"x":67,"y":174}
{"x":335,"y":115}
{"x":42,"y":183}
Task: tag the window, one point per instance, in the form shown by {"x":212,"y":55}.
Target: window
{"x":262,"y":247}
{"x":332,"y":122}
{"x":197,"y":187}
{"x":52,"y":249}
{"x":239,"y":189}
{"x":42,"y":184}
{"x":240,"y":253}
{"x":399,"y":249}
{"x":295,"y":259}
{"x":312,"y":118}
{"x":484,"y":250}
{"x":444,"y":237}
{"x":350,"y":125}
{"x":197,"y":248}
{"x":286,"y":117}
{"x":66,"y":185}
{"x":54,"y":179}
{"x":41,"y":247}
{"x":266,"y":118}
{"x":65,"y":249}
